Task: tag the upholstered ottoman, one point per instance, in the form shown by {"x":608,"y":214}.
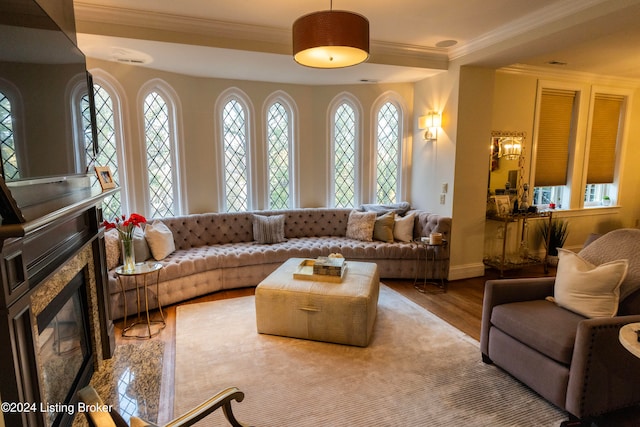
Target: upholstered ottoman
{"x":342,"y":313}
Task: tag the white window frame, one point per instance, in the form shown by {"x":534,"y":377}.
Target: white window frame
{"x":354,"y":103}
{"x":177,"y":170}
{"x":396,"y":100}
{"x":294,"y":177}
{"x":234,"y":93}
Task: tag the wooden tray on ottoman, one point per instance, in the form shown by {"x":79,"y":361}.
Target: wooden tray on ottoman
{"x":305,"y":272}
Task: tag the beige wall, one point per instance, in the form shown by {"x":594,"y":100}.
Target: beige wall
{"x":197,"y":99}
{"x":473,"y":102}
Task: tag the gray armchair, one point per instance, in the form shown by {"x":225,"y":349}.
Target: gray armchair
{"x":574,"y":362}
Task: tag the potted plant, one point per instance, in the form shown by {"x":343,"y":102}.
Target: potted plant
{"x":557,"y":231}
{"x":606,"y":201}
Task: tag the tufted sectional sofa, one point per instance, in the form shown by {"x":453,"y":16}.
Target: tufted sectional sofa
{"x":217,"y":251}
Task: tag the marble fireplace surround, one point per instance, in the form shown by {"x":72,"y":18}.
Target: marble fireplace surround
{"x":61,"y":236}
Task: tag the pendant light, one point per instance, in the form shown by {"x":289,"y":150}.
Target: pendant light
{"x":331,"y":39}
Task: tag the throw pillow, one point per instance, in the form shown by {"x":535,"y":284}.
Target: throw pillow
{"x":112,"y":247}
{"x":268,"y":229}
{"x":360,"y":225}
{"x":160,"y":240}
{"x":586,"y":289}
{"x":383,"y":227}
{"x":140,"y":246}
{"x":403,"y":228}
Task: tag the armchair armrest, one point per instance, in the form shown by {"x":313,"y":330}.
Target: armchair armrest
{"x":504,"y":291}
{"x":220,"y":400}
{"x":604,"y":376}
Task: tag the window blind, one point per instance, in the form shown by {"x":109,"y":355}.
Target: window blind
{"x":554,"y":131}
{"x":604,"y":137}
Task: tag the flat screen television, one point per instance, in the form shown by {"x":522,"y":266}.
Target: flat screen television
{"x":43,"y":81}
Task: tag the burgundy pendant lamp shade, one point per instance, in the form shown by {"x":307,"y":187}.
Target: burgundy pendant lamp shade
{"x":331,"y":39}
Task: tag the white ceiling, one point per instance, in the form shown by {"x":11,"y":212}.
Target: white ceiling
{"x":251,"y":39}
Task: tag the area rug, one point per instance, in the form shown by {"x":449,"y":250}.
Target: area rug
{"x":417,"y":371}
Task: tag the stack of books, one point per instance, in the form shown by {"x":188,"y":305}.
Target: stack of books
{"x":329,"y":266}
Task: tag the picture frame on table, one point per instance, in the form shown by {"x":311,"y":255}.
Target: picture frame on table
{"x":105,"y":177}
{"x":503,"y":204}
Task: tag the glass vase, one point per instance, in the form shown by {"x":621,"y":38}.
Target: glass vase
{"x":128,"y":256}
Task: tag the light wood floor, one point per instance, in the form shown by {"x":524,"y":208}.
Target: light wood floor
{"x":460,"y":305}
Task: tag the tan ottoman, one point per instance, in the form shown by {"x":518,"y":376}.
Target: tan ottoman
{"x":341,"y":313}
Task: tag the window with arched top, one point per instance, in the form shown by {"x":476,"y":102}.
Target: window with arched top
{"x":344,"y":154}
{"x":388,"y":153}
{"x":159,"y":125}
{"x":279,"y":155}
{"x":235,"y":151}
{"x":8,"y":155}
{"x":108,"y":150}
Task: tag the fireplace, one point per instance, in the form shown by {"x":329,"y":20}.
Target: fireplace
{"x":54,"y":324}
{"x":64,"y":353}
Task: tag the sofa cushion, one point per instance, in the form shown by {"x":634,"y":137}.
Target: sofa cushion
{"x":268,"y":229}
{"x":383,"y":227}
{"x":541,"y":325}
{"x":112,"y":248}
{"x":403,"y":228}
{"x":360,"y":225}
{"x":160,"y":240}
{"x":586,"y":289}
{"x":140,"y":246}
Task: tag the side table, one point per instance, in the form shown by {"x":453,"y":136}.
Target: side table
{"x":430,"y":261}
{"x":141,"y":273}
{"x":629,"y":338}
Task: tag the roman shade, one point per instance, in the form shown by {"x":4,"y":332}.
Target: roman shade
{"x":554,"y":132}
{"x":604,"y":137}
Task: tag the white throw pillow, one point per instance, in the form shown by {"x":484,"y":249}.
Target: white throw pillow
{"x":268,"y":229}
{"x":140,"y":246}
{"x":160,"y":240}
{"x":360,"y":225}
{"x":593,"y":291}
{"x":403,"y":228}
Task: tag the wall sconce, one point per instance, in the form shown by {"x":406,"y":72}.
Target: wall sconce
{"x":431,"y":122}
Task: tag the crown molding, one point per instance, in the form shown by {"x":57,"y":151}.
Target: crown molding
{"x":92,"y":18}
{"x":556,"y":74}
{"x":556,"y":13}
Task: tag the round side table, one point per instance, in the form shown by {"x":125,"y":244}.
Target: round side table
{"x":430,"y":261}
{"x":629,"y":338}
{"x":141,"y":275}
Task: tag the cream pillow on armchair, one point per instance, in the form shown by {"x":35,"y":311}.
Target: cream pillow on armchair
{"x":586,"y":289}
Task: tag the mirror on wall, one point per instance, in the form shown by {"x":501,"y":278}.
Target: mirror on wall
{"x":506,"y":165}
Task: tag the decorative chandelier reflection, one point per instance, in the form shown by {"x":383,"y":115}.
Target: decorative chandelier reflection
{"x":510,"y":148}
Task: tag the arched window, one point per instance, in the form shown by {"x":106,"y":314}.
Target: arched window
{"x":236,"y":155}
{"x":279,"y":156}
{"x":107,"y":144}
{"x":344,"y":157}
{"x":388,"y":153}
{"x":159,"y":125}
{"x":9,"y":158}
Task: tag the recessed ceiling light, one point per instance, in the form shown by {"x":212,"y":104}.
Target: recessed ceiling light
{"x":130,"y":56}
{"x":446,"y":43}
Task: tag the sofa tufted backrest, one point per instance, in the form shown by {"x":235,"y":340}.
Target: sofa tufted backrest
{"x":221,"y":228}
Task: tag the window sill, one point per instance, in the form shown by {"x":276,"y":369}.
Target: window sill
{"x":587,"y":211}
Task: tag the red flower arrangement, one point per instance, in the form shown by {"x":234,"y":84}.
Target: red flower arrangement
{"x":125,"y":226}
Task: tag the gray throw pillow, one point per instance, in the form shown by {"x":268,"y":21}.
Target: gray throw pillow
{"x":268,"y":229}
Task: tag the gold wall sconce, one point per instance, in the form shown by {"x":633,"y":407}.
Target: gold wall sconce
{"x":431,"y":122}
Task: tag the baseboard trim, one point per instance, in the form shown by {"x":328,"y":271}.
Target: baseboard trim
{"x":466,"y":271}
